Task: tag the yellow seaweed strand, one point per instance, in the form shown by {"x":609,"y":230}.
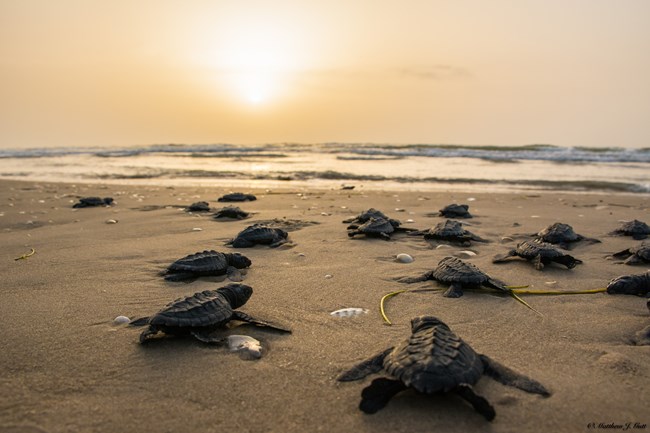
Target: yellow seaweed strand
{"x":29,"y":254}
{"x":381,"y":305}
{"x":558,"y":292}
{"x":518,"y":299}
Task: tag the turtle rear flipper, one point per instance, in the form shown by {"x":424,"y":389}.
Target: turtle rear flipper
{"x":455,"y":291}
{"x":622,"y":254}
{"x":365,"y":368}
{"x":147,"y":334}
{"x":506,"y":376}
{"x":480,"y":404}
{"x":377,"y":395}
{"x":207,"y":337}
{"x":538,"y":262}
{"x":238,"y":315}
{"x":180,"y":276}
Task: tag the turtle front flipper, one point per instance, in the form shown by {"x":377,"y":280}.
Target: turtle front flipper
{"x":142,"y":321}
{"x":569,"y":261}
{"x":180,"y":276}
{"x":234,"y":274}
{"x":148,"y":333}
{"x":455,"y":291}
{"x":207,"y":337}
{"x":238,"y":315}
{"x":377,"y":395}
{"x":622,"y":254}
{"x":411,"y":280}
{"x":500,"y":258}
{"x":480,"y":404}
{"x":365,"y":368}
{"x":537,"y":262}
{"x":506,"y":376}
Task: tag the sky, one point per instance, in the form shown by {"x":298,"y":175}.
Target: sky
{"x":474,"y":72}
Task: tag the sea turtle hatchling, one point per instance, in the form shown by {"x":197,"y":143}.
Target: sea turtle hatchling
{"x":259,"y":234}
{"x":455,"y":211}
{"x":635,"y":255}
{"x":562,"y":235}
{"x":434,"y":360}
{"x":637,"y":229}
{"x":237,"y":196}
{"x":207,"y":263}
{"x":366,"y":215}
{"x":539,"y":253}
{"x":231,"y":212}
{"x":93,"y":202}
{"x":199,"y":206}
{"x":375,"y":227}
{"x":459,"y":275}
{"x":630,"y":285}
{"x":201,"y":314}
{"x":449,"y":231}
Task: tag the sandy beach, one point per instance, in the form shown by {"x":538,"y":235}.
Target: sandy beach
{"x":68,"y":368}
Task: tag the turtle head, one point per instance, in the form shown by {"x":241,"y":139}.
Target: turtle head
{"x":239,"y":261}
{"x":425,"y":322}
{"x":236,"y":294}
{"x":568,"y":261}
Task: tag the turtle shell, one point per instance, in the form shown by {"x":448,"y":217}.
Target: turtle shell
{"x":199,"y":206}
{"x":203,"y":310}
{"x":260,"y":234}
{"x":531,"y":249}
{"x":456,"y":211}
{"x":230,"y":212}
{"x":433,"y":358}
{"x":635,"y":228}
{"x":93,"y":201}
{"x":642,"y":252}
{"x":447,"y":229}
{"x":237,"y":196}
{"x":209,"y":263}
{"x":369,"y":214}
{"x":454,"y":270}
{"x":377,"y":226}
{"x":557,"y":233}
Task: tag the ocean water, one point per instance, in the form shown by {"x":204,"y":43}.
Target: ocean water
{"x":330,"y":165}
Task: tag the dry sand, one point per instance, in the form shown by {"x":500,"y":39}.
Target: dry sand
{"x":67,"y":368}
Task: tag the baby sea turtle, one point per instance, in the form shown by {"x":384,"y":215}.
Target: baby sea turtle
{"x":199,"y":206}
{"x":434,"y":360}
{"x":366,"y":215}
{"x":456,"y":211}
{"x":375,"y":227}
{"x":259,"y":234}
{"x":540,"y":253}
{"x":207,"y":263}
{"x":232,"y":212}
{"x":449,"y":231}
{"x":459,"y":275}
{"x":93,"y":202}
{"x":635,"y":255}
{"x":237,"y":196}
{"x":201,"y":314}
{"x":637,"y":229}
{"x":562,"y":235}
{"x":630,"y":285}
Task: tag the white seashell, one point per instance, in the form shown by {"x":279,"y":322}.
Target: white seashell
{"x":399,"y":209}
{"x":324,"y":214}
{"x":248,"y":347}
{"x":551,"y":283}
{"x":111,"y":221}
{"x":471,"y":199}
{"x":328,"y":276}
{"x":534,"y":216}
{"x":197,"y":229}
{"x":505,"y":239}
{"x":120,"y":320}
{"x":404,"y":258}
{"x":465,"y":254}
{"x":349,"y":312}
{"x":443,"y":247}
{"x":410,"y":220}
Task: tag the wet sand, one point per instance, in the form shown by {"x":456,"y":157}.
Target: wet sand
{"x":66,"y":367}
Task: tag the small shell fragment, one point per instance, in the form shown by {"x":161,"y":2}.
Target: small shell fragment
{"x":349,"y":312}
{"x":111,"y":221}
{"x":551,"y":283}
{"x":248,"y":347}
{"x":328,"y":276}
{"x":465,"y":254}
{"x":404,"y":258}
{"x":120,"y":320}
{"x":197,"y":229}
{"x":443,"y":247}
{"x":505,"y":239}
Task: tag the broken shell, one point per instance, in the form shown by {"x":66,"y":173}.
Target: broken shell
{"x":349,"y":312}
{"x":505,"y":239}
{"x":197,"y":229}
{"x":443,"y":246}
{"x":248,"y":347}
{"x":404,"y":258}
{"x":465,"y":254}
{"x":111,"y":221}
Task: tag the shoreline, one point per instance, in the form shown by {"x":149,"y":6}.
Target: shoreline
{"x":70,"y":369}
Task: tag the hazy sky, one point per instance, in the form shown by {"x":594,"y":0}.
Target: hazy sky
{"x":510,"y":72}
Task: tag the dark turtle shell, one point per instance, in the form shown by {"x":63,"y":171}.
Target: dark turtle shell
{"x":93,"y":202}
{"x":206,"y":263}
{"x":367,"y":215}
{"x":637,"y":229}
{"x":376,"y":227}
{"x":233,"y":212}
{"x":259,"y":234}
{"x":455,"y":211}
{"x":237,"y":196}
{"x":199,"y":206}
{"x":531,"y":249}
{"x":634,"y":255}
{"x":454,"y":270}
{"x":558,"y":233}
{"x":202,"y":311}
{"x":433,"y":358}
